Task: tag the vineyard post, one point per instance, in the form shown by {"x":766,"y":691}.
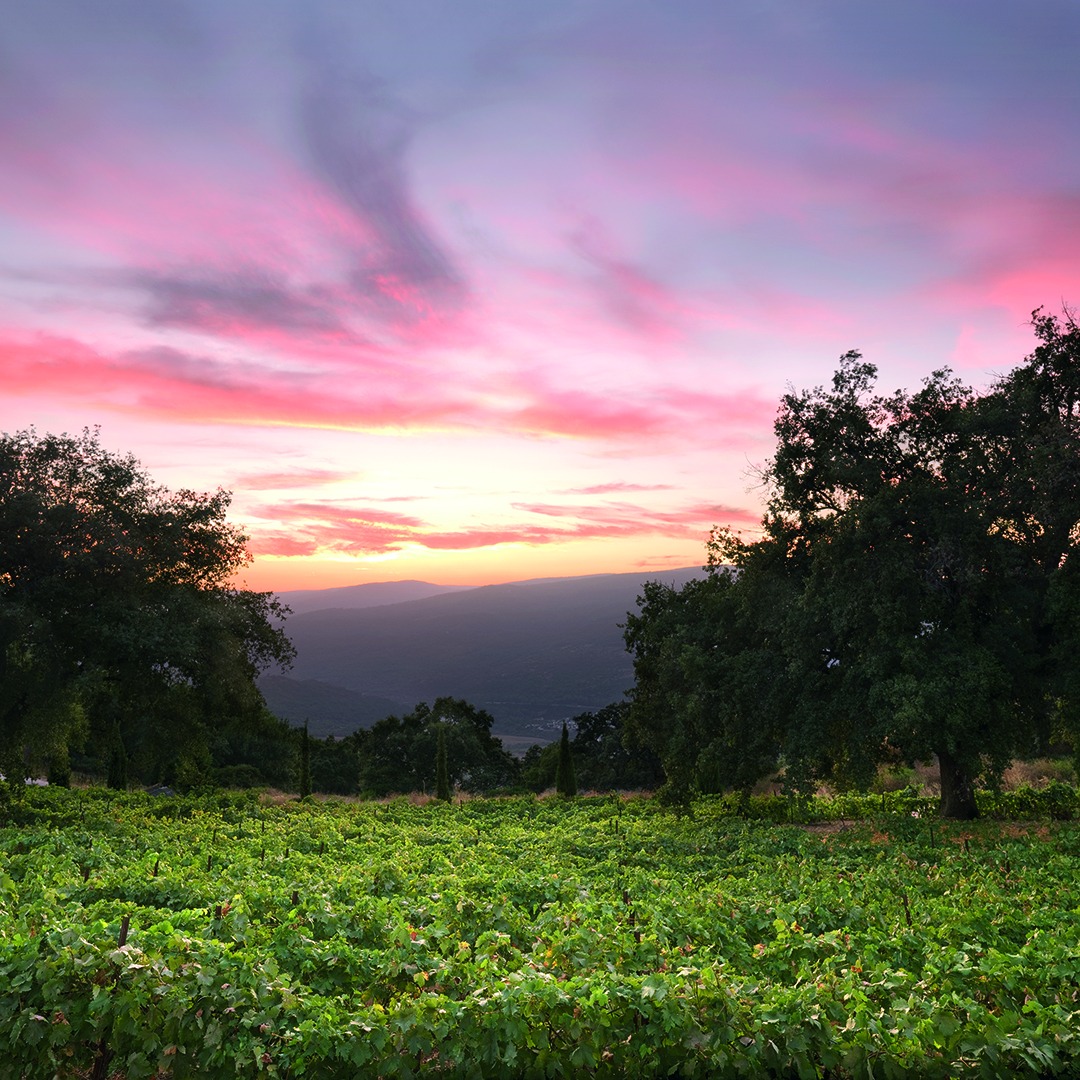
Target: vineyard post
{"x":100,"y":1070}
{"x":907,"y":906}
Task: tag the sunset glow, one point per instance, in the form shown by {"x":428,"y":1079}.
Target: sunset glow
{"x":476,"y":292}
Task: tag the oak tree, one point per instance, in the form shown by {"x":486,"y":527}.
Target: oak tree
{"x":915,"y":591}
{"x":118,"y":609}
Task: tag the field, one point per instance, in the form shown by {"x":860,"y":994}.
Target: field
{"x":535,"y":938}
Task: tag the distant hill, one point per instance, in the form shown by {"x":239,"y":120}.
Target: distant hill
{"x":532,"y":653}
{"x":370,"y":594}
{"x":328,"y":710}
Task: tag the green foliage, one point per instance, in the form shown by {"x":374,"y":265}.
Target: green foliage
{"x":565,"y":776}
{"x":335,"y":763}
{"x":603,"y":757}
{"x":60,"y":768}
{"x":538,"y":767}
{"x":709,"y":700}
{"x":116,"y":608}
{"x":265,"y":746}
{"x":532,"y":938}
{"x":193,"y":769}
{"x":914,"y":593}
{"x":398,"y":754}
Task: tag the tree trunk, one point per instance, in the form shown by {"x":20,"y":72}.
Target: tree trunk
{"x":957,"y":790}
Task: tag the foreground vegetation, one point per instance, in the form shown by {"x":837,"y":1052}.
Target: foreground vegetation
{"x":219,"y":937}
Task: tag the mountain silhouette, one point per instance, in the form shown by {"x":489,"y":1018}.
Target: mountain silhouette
{"x":532,"y":653}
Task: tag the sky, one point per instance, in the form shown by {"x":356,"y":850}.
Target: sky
{"x":485,"y":290}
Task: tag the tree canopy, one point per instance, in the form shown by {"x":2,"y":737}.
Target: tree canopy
{"x":117,"y":612}
{"x":914,"y":591}
{"x":400,"y":754}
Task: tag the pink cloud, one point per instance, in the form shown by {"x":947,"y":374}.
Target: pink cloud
{"x":341,"y":516}
{"x":174,"y":385}
{"x":637,"y":301}
{"x":314,"y":527}
{"x":684,"y":520}
{"x":284,"y":545}
{"x":169,"y":383}
{"x":306,"y":528}
{"x":996,"y":292}
{"x":582,"y":415}
{"x":652,"y":412}
{"x":610,"y":305}
{"x":1022,"y":288}
{"x":245,"y":245}
{"x":292,"y":478}
{"x":615,"y":488}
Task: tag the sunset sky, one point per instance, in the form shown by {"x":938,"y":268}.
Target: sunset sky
{"x":477,"y":291}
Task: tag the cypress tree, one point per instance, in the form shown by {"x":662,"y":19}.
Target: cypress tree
{"x":60,"y":768}
{"x":565,"y":779}
{"x":442,"y":771}
{"x":117,"y":777}
{"x":305,"y":763}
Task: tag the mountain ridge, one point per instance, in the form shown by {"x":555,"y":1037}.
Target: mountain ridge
{"x":364,"y":595}
{"x":532,"y":653}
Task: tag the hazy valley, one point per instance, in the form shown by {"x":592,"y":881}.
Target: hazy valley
{"x":531,"y":653}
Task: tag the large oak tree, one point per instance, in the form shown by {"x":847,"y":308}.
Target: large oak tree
{"x":117,"y":609}
{"x":915,"y":592}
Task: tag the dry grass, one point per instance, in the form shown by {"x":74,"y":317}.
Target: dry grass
{"x":923,"y":777}
{"x":1039,"y":772}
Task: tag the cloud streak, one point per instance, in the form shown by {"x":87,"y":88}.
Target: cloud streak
{"x":169,"y":382}
{"x":357,"y":139}
{"x":325,"y":528}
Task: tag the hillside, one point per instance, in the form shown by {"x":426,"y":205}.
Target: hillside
{"x":532,"y":653}
{"x":370,"y":594}
{"x":328,"y":710}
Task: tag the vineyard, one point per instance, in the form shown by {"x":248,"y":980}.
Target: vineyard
{"x":219,"y":937}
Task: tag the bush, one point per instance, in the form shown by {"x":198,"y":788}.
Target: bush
{"x":239,"y":776}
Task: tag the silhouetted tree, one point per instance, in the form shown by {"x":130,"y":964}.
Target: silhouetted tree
{"x":116,"y":602}
{"x":305,"y":763}
{"x":916,"y":590}
{"x":399,"y":753}
{"x":60,"y":768}
{"x":538,"y":766}
{"x":118,"y":762}
{"x":606,"y":758}
{"x":565,"y":778}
